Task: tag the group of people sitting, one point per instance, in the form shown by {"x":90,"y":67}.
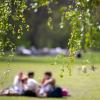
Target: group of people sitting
{"x":26,"y":85}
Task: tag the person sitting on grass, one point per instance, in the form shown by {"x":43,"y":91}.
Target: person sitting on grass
{"x":49,"y":88}
{"x":48,"y":84}
{"x":32,"y":85}
{"x":27,"y":86}
{"x":18,"y":85}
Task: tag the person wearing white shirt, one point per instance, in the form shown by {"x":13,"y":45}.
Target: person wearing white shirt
{"x":32,"y":85}
{"x":17,"y":83}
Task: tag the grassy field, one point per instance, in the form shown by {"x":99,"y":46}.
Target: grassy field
{"x":81,"y":86}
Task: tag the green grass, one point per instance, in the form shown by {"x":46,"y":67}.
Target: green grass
{"x":81,"y":86}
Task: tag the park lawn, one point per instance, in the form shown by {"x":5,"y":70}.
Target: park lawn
{"x":81,"y":86}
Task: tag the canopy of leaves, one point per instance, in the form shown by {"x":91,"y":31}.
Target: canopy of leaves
{"x":12,"y":22}
{"x":81,"y":15}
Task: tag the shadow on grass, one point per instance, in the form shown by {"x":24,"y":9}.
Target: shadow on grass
{"x":37,"y":97}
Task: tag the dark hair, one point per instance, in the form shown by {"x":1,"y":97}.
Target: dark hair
{"x":48,"y":73}
{"x":31,"y":74}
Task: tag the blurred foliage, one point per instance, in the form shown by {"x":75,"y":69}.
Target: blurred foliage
{"x":12,"y":23}
{"x":45,"y":32}
{"x":80,"y":18}
{"x":81,"y":15}
{"x":73,"y":23}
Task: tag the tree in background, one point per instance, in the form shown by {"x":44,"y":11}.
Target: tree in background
{"x":40,"y":35}
{"x":79,"y":15}
{"x":12,"y":23}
